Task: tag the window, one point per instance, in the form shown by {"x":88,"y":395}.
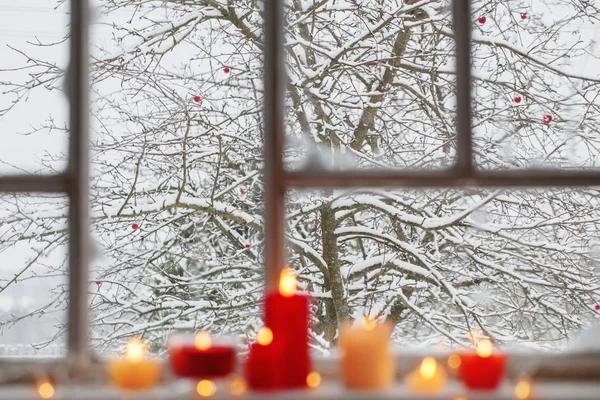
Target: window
{"x":177,"y":195}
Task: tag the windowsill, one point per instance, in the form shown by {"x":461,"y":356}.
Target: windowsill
{"x":184,"y":390}
{"x":553,"y":376}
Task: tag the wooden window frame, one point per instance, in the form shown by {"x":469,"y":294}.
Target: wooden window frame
{"x":74,"y":181}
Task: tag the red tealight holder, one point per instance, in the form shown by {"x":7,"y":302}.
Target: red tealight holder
{"x":200,"y":358}
{"x":264,"y":365}
{"x":483,"y":369}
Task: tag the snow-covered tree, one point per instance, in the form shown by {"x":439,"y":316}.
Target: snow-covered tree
{"x":177,"y":153}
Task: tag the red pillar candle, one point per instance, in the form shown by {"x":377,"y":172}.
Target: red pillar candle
{"x":483,"y":369}
{"x":201,"y":359}
{"x":287,"y":314}
{"x":264,"y":364}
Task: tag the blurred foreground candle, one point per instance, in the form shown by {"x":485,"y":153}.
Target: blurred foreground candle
{"x":202,"y":358}
{"x":135,"y":372}
{"x":287,"y":315}
{"x":484,"y":369}
{"x":264,"y":364}
{"x":366,"y":360}
{"x":428,"y":377}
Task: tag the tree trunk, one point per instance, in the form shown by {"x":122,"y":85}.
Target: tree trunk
{"x":337,"y":309}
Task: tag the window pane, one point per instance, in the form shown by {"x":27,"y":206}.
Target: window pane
{"x":33,"y":104}
{"x":372,"y":85}
{"x":176,"y":191}
{"x":535,"y":85}
{"x":520,"y":265}
{"x":33,"y":275}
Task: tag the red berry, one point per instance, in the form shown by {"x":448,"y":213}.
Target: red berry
{"x":98,"y":283}
{"x":197,"y":99}
{"x":242,"y":191}
{"x":135,"y":227}
{"x":482,"y":20}
{"x":226,"y":70}
{"x":523,"y":16}
{"x":247,"y":245}
{"x":547,"y":119}
{"x":518,"y":99}
{"x":597,"y":307}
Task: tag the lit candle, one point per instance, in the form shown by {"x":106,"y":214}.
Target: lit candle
{"x":287,"y":315}
{"x":484,"y":369}
{"x":366,"y":360}
{"x":135,"y":372}
{"x":202,"y":358}
{"x":264,"y":364}
{"x":428,"y":377}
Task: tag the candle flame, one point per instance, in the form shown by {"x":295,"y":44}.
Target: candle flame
{"x":454,"y":361}
{"x":484,"y":348}
{"x":264,"y":336}
{"x":369,"y":323}
{"x":135,"y":349}
{"x":313,"y":379}
{"x":202,"y":340}
{"x":46,"y":390}
{"x":287,"y":282}
{"x":428,"y":367}
{"x":522,"y":390}
{"x":206,"y":388}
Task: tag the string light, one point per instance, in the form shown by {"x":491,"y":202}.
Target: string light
{"x":206,"y":388}
{"x":237,"y":387}
{"x":522,"y":390}
{"x":264,"y":336}
{"x":46,"y":390}
{"x":313,"y":379}
{"x":454,"y":361}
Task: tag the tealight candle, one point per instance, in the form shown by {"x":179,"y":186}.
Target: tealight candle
{"x":135,"y":372}
{"x":428,"y":377}
{"x":366,"y":360}
{"x":483,"y":369}
{"x":202,"y":358}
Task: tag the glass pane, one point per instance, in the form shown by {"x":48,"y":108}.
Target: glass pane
{"x":372,"y":85}
{"x":33,"y":275}
{"x":33,"y":104}
{"x":535,"y":85}
{"x":519,"y":265}
{"x":176,"y":191}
